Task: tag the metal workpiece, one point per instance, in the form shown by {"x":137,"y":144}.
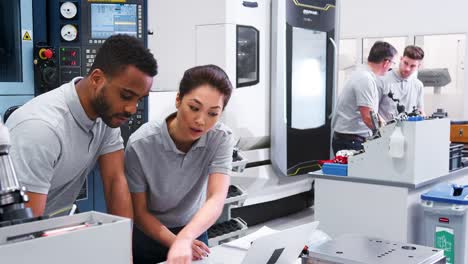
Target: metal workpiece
{"x":8,"y":181}
{"x":375,"y":123}
{"x":354,"y":249}
{"x":12,"y":196}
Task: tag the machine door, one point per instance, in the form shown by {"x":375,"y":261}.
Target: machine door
{"x":16,"y":67}
{"x":310,"y":33}
{"x":247,"y":56}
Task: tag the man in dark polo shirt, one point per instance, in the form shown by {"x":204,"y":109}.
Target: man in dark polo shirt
{"x":58,"y":136}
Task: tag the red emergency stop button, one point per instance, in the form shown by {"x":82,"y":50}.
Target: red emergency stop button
{"x":45,"y":53}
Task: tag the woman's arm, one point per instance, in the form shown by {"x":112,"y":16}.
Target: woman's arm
{"x":147,"y":223}
{"x":153,"y":228}
{"x":218,"y":185}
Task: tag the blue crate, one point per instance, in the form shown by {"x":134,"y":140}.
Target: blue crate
{"x":335,"y":169}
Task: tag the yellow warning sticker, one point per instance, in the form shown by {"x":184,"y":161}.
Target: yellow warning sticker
{"x":27,"y":35}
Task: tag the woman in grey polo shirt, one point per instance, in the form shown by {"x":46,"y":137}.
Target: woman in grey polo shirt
{"x":178,"y":171}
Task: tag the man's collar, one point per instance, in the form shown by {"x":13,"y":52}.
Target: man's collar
{"x":74,"y":104}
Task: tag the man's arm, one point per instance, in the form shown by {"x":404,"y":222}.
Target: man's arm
{"x":367,"y":96}
{"x":116,"y":192}
{"x":366,"y":117}
{"x":37,"y":202}
{"x":35,"y":149}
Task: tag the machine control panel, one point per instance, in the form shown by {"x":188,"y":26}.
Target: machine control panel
{"x":45,"y":73}
{"x":69,"y":57}
{"x":75,"y":32}
{"x":134,"y":122}
{"x":78,"y":28}
{"x":90,"y":54}
{"x":68,"y":39}
{"x":106,"y":19}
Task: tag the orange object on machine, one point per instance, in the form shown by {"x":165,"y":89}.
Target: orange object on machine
{"x":459,"y":131}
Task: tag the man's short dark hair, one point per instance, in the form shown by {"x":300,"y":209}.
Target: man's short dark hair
{"x":120,"y":51}
{"x":206,"y":74}
{"x":414,"y":52}
{"x":381,"y":51}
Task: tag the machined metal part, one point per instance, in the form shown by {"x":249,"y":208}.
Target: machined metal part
{"x":353,"y":249}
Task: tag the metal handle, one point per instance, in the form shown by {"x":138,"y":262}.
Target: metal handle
{"x":335,"y":62}
{"x":241,"y":220}
{"x":250,"y":4}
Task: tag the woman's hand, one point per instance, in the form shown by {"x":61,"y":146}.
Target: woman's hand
{"x":180,"y":252}
{"x":184,"y":251}
{"x":199,"y":250}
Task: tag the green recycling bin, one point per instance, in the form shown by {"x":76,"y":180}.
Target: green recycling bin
{"x":445,"y":221}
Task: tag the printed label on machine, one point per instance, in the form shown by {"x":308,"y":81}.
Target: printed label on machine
{"x":26,"y":35}
{"x":444,"y":239}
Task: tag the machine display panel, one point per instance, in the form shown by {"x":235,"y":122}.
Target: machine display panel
{"x":110,"y":19}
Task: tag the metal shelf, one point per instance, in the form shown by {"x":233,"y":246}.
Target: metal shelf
{"x":226,"y":231}
{"x":239,"y":161}
{"x":236,"y":195}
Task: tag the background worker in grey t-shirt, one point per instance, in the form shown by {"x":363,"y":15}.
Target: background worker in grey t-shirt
{"x":403,"y":84}
{"x":178,"y":171}
{"x":58,"y":136}
{"x":352,"y":121}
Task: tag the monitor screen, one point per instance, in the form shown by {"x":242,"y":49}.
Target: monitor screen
{"x":110,"y":19}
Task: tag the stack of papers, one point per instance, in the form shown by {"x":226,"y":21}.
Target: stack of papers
{"x":245,"y":242}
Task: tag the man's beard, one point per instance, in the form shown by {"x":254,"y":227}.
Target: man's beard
{"x":103,"y":108}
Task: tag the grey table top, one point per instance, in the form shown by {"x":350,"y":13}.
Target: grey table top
{"x":320,"y":175}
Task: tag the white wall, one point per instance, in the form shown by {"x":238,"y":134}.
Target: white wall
{"x":379,"y":18}
{"x":411,"y":17}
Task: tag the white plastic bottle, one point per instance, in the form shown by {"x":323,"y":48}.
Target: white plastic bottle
{"x":397,"y":144}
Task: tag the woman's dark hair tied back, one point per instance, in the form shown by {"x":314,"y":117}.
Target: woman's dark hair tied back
{"x":206,"y":74}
